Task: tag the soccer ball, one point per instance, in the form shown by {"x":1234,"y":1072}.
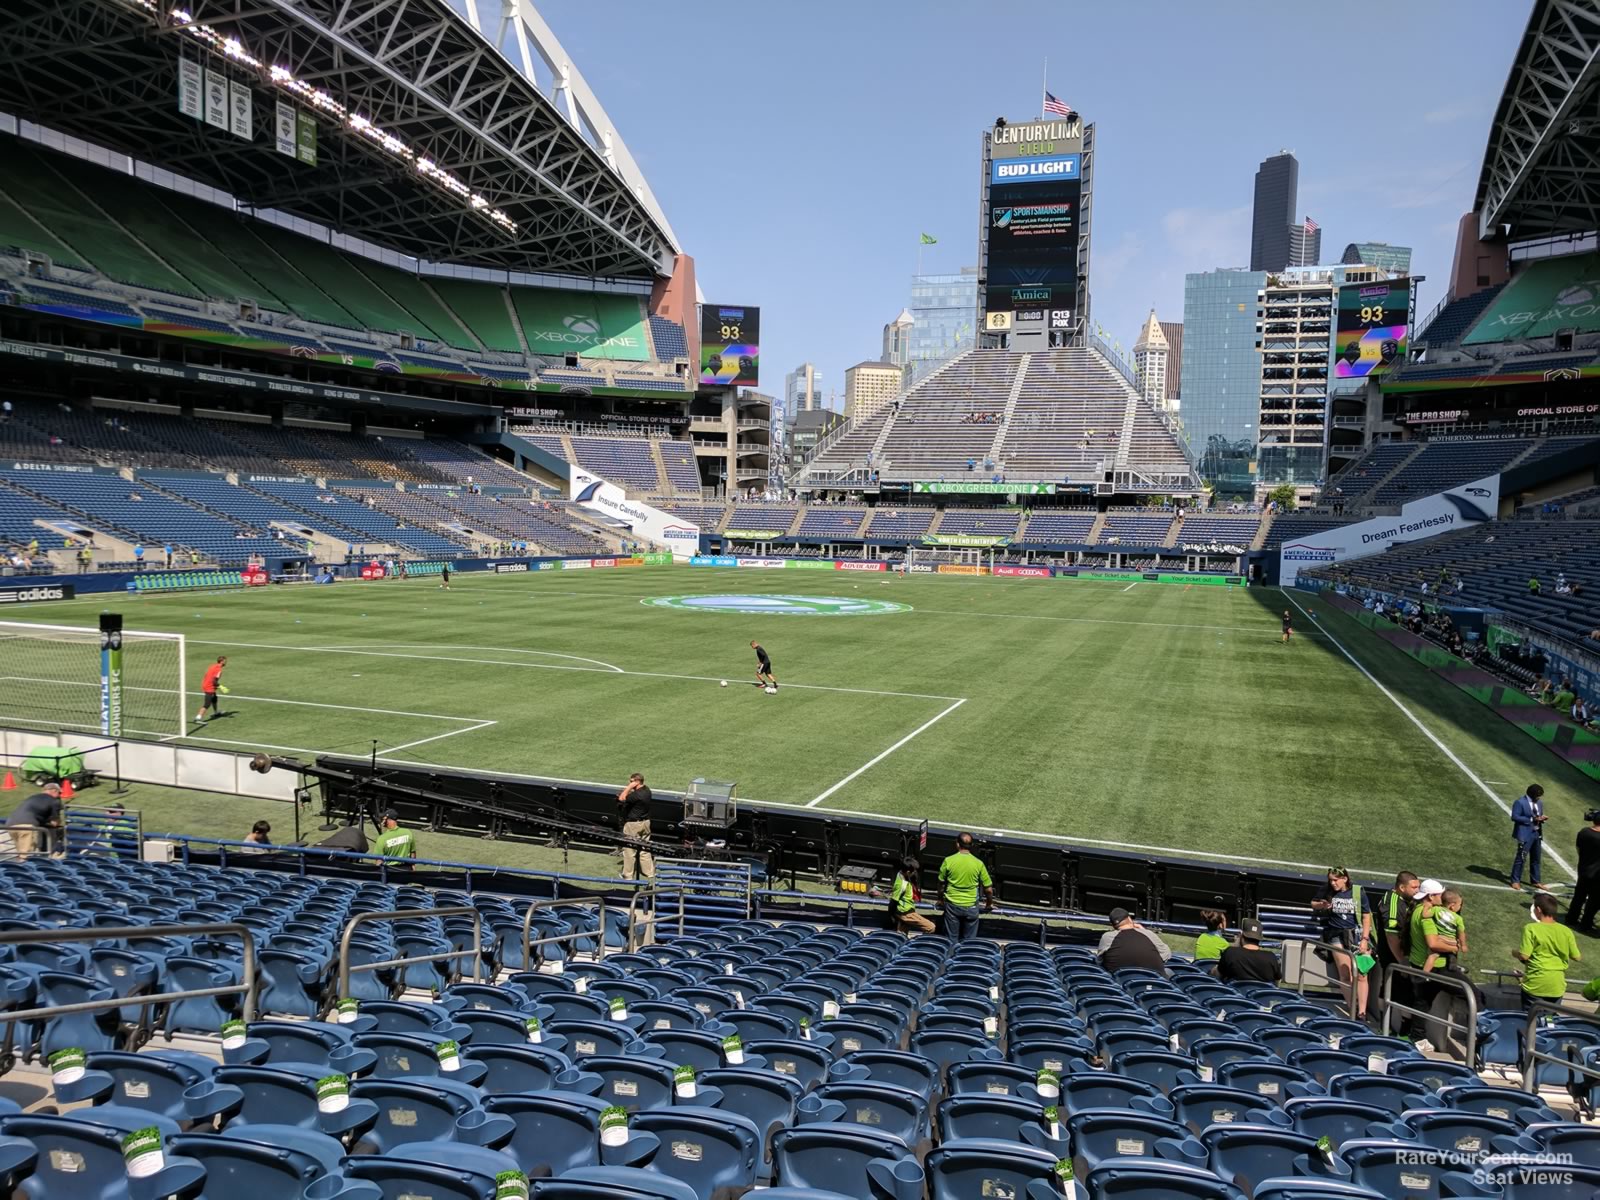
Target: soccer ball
{"x":772,"y":691}
{"x":724,"y":683}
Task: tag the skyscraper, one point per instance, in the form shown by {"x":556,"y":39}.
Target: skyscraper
{"x":802,"y":390}
{"x":868,"y":387}
{"x":1174,"y":333}
{"x":1277,"y":195}
{"x":944,"y":314}
{"x":1305,"y":244}
{"x":897,"y":341}
{"x":1150,"y":362}
{"x":1379,"y":254}
{"x":1222,"y":375}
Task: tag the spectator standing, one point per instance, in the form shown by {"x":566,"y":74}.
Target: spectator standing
{"x":1208,"y":947}
{"x":1586,"y":892}
{"x":1547,"y":949}
{"x":1394,"y":947}
{"x":634,"y":802}
{"x":1247,"y":961}
{"x":903,"y":899}
{"x":167,"y":552}
{"x":1527,"y":828}
{"x":31,"y":822}
{"x":960,"y":877}
{"x":1346,"y":915}
{"x":138,"y":557}
{"x":260,"y":835}
{"x":393,"y":841}
{"x":1128,"y":944}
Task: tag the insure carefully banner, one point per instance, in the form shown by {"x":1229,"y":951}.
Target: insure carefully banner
{"x":1470,"y":504}
{"x":982,"y":540}
{"x":986,"y":489}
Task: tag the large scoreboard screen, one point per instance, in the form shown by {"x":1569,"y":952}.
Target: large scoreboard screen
{"x":1035,"y":184}
{"x":1372,"y":328}
{"x":730,"y":345}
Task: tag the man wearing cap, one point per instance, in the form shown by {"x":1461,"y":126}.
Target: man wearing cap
{"x":1247,"y":961}
{"x":1346,"y":915}
{"x":395,"y":842}
{"x":1128,"y":944}
{"x":960,"y":877}
{"x":1427,"y":938}
{"x":31,"y":821}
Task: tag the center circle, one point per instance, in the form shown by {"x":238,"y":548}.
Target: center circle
{"x":781,"y":605}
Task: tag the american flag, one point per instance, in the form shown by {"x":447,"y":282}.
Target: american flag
{"x":1311,"y":226}
{"x":1056,"y":108}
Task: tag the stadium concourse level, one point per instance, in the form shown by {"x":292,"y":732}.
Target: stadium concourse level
{"x":821,"y":1061}
{"x":988,"y":414}
{"x":176,"y":264}
{"x":232,"y":490}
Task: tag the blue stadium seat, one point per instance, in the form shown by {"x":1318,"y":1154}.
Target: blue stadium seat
{"x":614,"y":1183}
{"x":440,"y":1172}
{"x":1099,"y":1135}
{"x":1492,"y":1101}
{"x":553,"y":1132}
{"x":1334,"y":1117}
{"x":79,"y":1157}
{"x":1197,"y":1106}
{"x":1383,"y":1091}
{"x":1468,"y":1135}
{"x":259,"y":1160}
{"x":1247,"y":1154}
{"x":880,"y":1106}
{"x":970,"y":1167}
{"x":154,"y":1080}
{"x":326,"y":1047}
{"x":1312,"y":1189}
{"x":1136,"y":1179}
{"x":1394,"y":1168}
{"x":716,"y":1153}
{"x":628,"y":1081}
{"x":803,"y":1061}
{"x":847,"y":1159}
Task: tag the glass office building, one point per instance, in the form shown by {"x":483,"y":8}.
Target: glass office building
{"x":1221,"y":384}
{"x":944,"y":313}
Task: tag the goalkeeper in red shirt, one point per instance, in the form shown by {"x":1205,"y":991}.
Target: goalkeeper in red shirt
{"x":209,"y":687}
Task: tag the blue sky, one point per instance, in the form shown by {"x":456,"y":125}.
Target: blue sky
{"x":799,"y":149}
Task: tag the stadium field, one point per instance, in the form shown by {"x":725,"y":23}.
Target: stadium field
{"x":1166,"y":718}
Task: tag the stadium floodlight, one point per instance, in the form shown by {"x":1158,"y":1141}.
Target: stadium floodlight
{"x":233,"y":49}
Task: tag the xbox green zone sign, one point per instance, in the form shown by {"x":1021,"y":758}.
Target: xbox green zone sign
{"x":788,"y":606}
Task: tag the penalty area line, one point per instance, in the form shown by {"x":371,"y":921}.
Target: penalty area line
{"x":1417,"y":721}
{"x":872,"y":762}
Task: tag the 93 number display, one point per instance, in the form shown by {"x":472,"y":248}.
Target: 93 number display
{"x":730,"y":345}
{"x":1372,"y":329}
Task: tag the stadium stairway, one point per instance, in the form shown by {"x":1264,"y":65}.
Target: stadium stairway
{"x":1262,"y":533}
{"x":1383,"y":454}
{"x":1096,"y":530}
{"x":1010,"y":409}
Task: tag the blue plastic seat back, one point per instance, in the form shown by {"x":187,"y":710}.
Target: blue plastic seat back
{"x":553,"y":1131}
{"x":805,"y":1062}
{"x":1099,"y":1135}
{"x":687,"y":1047}
{"x":1086,"y":1090}
{"x":525,"y":1068}
{"x":849,"y":1036}
{"x":151,"y":1080}
{"x":273,"y":1095}
{"x":300,"y":1041}
{"x":1199,"y":1106}
{"x":1143,"y":1180}
{"x":198,"y":1014}
{"x":84,"y":1030}
{"x":259,"y":1160}
{"x":978,"y":1116}
{"x":630,"y":1082}
{"x":1398,"y":1169}
{"x":291,"y":983}
{"x":491,"y":1028}
{"x":125,"y":973}
{"x":970,"y":1167}
{"x":412,"y":1110}
{"x":1244,"y":1154}
{"x":834,"y":1158}
{"x":898,"y":1067}
{"x":712,"y":1151}
{"x":593,"y":1037}
{"x":764,"y":1098}
{"x":879,"y":1106}
{"x":1334,"y":1117}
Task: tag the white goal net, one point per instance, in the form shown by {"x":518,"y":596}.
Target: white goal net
{"x":66,"y":677}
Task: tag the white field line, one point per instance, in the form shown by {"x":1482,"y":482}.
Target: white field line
{"x":955,"y":612}
{"x":1428,"y":733}
{"x":387,"y":712}
{"x":608,"y":670}
{"x":1131,"y":586}
{"x":872,"y":762}
{"x":493,"y":649}
{"x":438,"y":737}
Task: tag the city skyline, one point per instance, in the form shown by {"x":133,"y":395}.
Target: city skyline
{"x":829,"y":262}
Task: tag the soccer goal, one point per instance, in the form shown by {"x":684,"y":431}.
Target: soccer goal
{"x":109,"y":680}
{"x":931,"y":559}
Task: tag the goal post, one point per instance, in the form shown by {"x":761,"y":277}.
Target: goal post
{"x":108,"y":680}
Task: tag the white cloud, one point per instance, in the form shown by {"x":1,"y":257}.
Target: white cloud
{"x":1452,"y":112}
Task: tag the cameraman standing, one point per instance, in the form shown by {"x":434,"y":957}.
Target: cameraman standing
{"x":634,"y":801}
{"x":1586,"y":892}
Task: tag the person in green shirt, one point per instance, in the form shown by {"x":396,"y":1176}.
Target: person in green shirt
{"x":903,"y":898}
{"x":1208,"y":947}
{"x":395,"y":842}
{"x":960,"y":877}
{"x":1547,"y":948}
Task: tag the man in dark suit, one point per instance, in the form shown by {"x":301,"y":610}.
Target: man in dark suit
{"x":1527,"y":827}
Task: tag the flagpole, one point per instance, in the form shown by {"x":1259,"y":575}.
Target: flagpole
{"x":1044,"y":86}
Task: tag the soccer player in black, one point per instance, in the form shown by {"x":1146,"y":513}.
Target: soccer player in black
{"x":1288,"y":628}
{"x":764,"y":677}
{"x":444,"y":577}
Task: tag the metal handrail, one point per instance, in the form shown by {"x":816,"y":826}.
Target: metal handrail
{"x":1348,"y":995}
{"x":1532,"y":1055}
{"x":642,"y":922}
{"x":248,"y":969}
{"x":1469,"y":1033}
{"x":562,"y":938}
{"x":346,"y":970}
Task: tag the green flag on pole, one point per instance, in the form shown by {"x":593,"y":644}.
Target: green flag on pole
{"x":929,"y":240}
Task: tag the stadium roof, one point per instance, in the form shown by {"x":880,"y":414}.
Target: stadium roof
{"x":1541,"y":171}
{"x":409,"y":83}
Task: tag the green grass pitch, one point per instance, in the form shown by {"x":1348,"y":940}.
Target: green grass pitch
{"x":1156,"y":717}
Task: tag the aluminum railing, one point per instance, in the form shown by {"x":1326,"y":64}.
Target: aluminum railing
{"x":529,"y":942}
{"x":402,"y":914}
{"x":1532,"y":1055}
{"x":245,"y":987}
{"x":1468,"y":1031}
{"x":1346,"y":993}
